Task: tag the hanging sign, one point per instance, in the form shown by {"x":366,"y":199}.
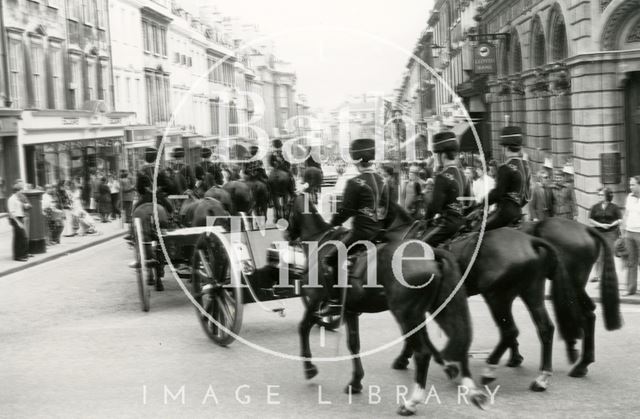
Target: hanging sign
{"x":484,"y":58}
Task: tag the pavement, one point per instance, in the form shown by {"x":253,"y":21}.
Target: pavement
{"x":68,"y":245}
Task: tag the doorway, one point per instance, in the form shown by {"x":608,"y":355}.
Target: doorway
{"x":632,"y":125}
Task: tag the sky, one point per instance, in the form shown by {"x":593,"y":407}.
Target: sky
{"x":338,"y":48}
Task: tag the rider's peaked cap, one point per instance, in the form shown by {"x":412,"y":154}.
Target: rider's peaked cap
{"x":445,"y":141}
{"x":150,"y":154}
{"x":205,"y":153}
{"x":511,"y":135}
{"x":363,"y":148}
{"x":277,"y":143}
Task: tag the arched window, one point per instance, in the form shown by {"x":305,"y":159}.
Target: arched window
{"x":516,"y":53}
{"x":537,"y":43}
{"x":558,"y":35}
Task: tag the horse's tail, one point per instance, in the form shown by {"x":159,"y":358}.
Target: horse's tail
{"x":563,"y":294}
{"x":608,"y":284}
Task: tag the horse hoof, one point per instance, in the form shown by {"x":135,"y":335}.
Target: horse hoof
{"x":479,"y":399}
{"x":578,"y":371}
{"x":310,"y":372}
{"x":487,"y":380}
{"x":159,"y":286}
{"x":400,"y":364}
{"x":353,"y":389}
{"x":403,"y":411}
{"x":572,"y":354}
{"x":535,"y":386}
{"x":515,"y":361}
{"x":452,"y":371}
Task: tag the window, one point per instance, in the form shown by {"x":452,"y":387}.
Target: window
{"x":284,"y":115}
{"x":75,"y":85}
{"x":100,"y":18}
{"x":156,"y":40}
{"x":92,"y":81}
{"x":16,"y":72}
{"x":210,"y":70}
{"x":37,"y":74}
{"x":86,"y":13}
{"x":233,"y":119}
{"x":118,"y":95}
{"x":104,"y":85}
{"x":176,"y":58}
{"x":54,"y":3}
{"x":73,"y":8}
{"x":151,"y":117}
{"x":57,"y":84}
{"x":284,"y":98}
{"x":148,"y":36}
{"x":163,"y":42}
{"x":214,"y":108}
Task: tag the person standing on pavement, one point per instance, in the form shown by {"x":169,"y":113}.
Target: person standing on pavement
{"x":631,"y":232}
{"x":104,"y":200}
{"x":17,"y":206}
{"x":541,"y":204}
{"x":128,"y":189}
{"x":605,"y":216}
{"x":114,"y":188}
{"x":412,"y":192}
{"x":564,"y":198}
{"x":389,"y":178}
{"x":482,"y":183}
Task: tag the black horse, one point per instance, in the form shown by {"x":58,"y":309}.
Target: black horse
{"x":281,"y":188}
{"x":578,"y":246}
{"x":433,"y":281}
{"x":511,"y":264}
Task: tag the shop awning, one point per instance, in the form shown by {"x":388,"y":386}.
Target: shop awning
{"x":465,"y":136}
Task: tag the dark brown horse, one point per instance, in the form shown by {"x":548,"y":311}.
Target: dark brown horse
{"x":579,"y":246}
{"x":512,"y":264}
{"x":281,"y":189}
{"x":428,"y":284}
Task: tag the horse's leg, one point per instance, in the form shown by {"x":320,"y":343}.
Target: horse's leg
{"x":402,"y":361}
{"x":588,"y":327}
{"x":353,"y":341}
{"x":500,"y":307}
{"x":304,"y":329}
{"x":421,"y":357}
{"x":533,"y":297}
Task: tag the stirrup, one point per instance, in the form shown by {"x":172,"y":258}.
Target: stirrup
{"x":329,"y":308}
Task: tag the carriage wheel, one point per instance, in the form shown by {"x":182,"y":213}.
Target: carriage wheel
{"x":328,"y":322}
{"x":143,"y":288}
{"x":214,"y":289}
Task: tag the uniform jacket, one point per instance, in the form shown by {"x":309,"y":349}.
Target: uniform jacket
{"x":512,"y":183}
{"x":278,"y":162}
{"x":367,"y":200}
{"x":450,"y":184}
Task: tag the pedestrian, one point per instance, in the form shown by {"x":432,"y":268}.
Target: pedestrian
{"x":128,"y":189}
{"x":18,"y":206}
{"x":605,"y":216}
{"x":54,"y":215}
{"x":84,"y":220}
{"x":390,"y":180}
{"x":114,"y":188}
{"x":482,"y":183}
{"x":104,"y":200}
{"x":3,"y":206}
{"x":631,"y":233}
{"x":564,"y":198}
{"x":412,"y":193}
{"x":541,"y":204}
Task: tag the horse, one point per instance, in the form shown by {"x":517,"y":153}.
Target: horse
{"x":512,"y":264}
{"x":223,"y":196}
{"x":280,"y":186}
{"x":407,"y":303}
{"x":579,"y":247}
{"x":241,"y":196}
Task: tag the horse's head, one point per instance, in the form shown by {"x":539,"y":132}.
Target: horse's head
{"x":304,"y":219}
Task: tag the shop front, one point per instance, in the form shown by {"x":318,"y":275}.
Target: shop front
{"x":72,"y":145}
{"x":9,"y":157}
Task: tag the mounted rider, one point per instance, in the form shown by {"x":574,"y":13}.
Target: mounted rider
{"x":144,"y":182}
{"x":277,"y":161}
{"x":447,"y":207}
{"x":512,"y":190}
{"x":365,"y":198}
{"x":254,"y":170}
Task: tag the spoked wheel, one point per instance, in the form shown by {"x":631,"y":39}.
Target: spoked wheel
{"x":328,"y":322}
{"x":142,"y":273}
{"x":216,"y":289}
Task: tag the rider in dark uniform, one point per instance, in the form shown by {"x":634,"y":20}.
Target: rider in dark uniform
{"x":254,"y":170}
{"x":365,"y":198}
{"x":513,"y":182}
{"x":450,"y":185}
{"x":278,"y":162}
{"x":144,"y":182}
